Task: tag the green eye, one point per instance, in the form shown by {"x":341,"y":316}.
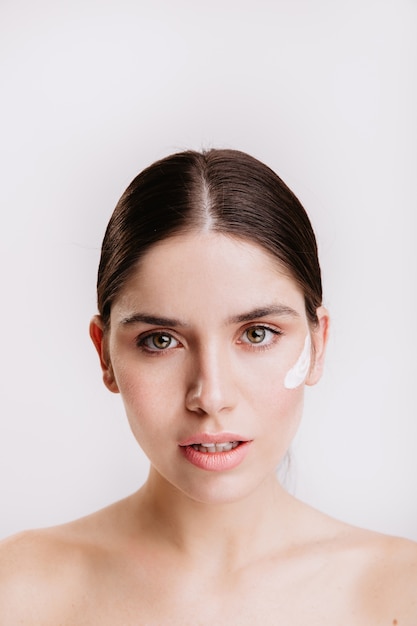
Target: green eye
{"x":157,"y":342}
{"x":256,"y":334}
{"x":161,"y":341}
{"x":262,"y":336}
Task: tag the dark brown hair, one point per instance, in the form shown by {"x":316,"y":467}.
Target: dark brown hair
{"x":224,"y":191}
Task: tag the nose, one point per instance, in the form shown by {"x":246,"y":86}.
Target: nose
{"x":211,"y":389}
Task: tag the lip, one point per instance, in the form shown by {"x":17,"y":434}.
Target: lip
{"x":215,"y":461}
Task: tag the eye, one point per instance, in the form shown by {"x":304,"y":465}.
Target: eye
{"x":260,"y":335}
{"x":256,"y":334}
{"x":158,"y":342}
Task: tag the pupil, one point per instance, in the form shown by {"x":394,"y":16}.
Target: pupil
{"x":161,"y":341}
{"x":256,"y":335}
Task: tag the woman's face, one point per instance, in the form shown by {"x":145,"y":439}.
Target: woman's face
{"x":209,"y":347}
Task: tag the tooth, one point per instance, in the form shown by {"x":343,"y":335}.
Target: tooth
{"x":211,"y":448}
{"x":207,"y":449}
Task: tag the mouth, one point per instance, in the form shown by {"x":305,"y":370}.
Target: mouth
{"x":212,"y":448}
{"x":215,"y":452}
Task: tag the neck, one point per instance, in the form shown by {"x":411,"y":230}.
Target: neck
{"x":229,"y":532}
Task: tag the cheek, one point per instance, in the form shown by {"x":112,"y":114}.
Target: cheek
{"x":284,"y":417}
{"x":142,"y":396}
{"x":147,"y":396}
{"x":285,"y":405}
{"x":282,"y":407}
{"x":297,"y":374}
{"x":280,"y":378}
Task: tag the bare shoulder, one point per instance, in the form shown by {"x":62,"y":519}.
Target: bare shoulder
{"x":390,"y":579}
{"x":31,"y":577}
{"x":44,"y":574}
{"x":374,"y":575}
{"x":380,"y":572}
{"x":41,"y":572}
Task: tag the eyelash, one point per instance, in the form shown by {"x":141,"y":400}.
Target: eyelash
{"x":265,"y":343}
{"x":141,"y":341}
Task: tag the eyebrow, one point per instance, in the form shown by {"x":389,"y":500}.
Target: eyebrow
{"x":153,"y":320}
{"x":281,"y":310}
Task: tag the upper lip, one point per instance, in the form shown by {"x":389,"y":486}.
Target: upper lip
{"x":204,"y":438}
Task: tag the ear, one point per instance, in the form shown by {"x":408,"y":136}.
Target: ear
{"x":99,"y":339}
{"x":319,"y":337}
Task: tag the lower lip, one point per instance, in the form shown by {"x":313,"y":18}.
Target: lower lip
{"x":216,"y":461}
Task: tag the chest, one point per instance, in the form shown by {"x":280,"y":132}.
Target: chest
{"x":267,"y":596}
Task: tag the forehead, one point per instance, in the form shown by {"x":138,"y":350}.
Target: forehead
{"x":194,"y":271}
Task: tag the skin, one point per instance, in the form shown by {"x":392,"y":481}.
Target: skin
{"x":194,"y":546}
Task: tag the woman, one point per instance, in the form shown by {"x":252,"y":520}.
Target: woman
{"x":210,"y":325}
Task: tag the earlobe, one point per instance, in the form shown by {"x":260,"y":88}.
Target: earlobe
{"x":319,"y":338}
{"x":98,"y":338}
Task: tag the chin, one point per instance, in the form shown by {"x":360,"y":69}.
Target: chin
{"x":225,"y":489}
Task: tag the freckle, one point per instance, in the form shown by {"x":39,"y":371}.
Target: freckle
{"x":394,"y":621}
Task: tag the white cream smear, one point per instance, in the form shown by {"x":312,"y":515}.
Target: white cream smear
{"x":297,"y":374}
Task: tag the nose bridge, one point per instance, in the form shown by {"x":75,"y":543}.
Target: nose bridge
{"x":211,"y":386}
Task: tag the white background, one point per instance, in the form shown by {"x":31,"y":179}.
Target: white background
{"x":323,"y":91}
